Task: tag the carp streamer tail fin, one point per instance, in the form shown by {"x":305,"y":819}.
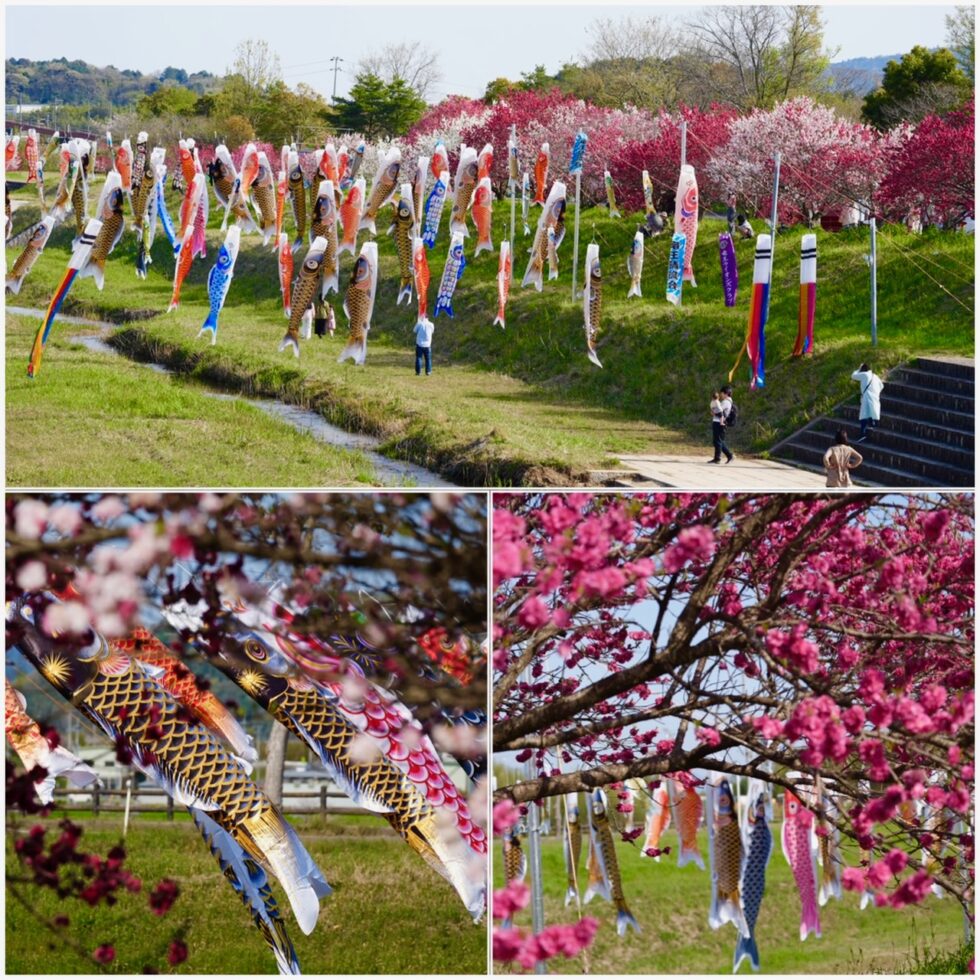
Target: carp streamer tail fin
{"x":252,"y":886}
{"x":746,"y":947}
{"x":41,"y":337}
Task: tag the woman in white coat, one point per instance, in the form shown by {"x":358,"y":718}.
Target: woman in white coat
{"x":871,"y":386}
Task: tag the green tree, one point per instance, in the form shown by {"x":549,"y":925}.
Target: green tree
{"x":537,"y":79}
{"x":282,"y":115}
{"x":961,"y":38}
{"x":924,"y":82}
{"x":498,"y":89}
{"x":170,"y":100}
{"x":379,"y":108}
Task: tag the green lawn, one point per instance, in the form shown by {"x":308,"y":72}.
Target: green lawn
{"x":671,"y":906}
{"x":96,"y":420}
{"x":389,"y":912}
{"x":524,"y":405}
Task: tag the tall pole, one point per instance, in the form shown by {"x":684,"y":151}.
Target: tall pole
{"x":776,"y":157}
{"x":336,"y":59}
{"x":512,"y":172}
{"x":578,"y":198}
{"x":683,"y":142}
{"x":537,"y":889}
{"x":874,"y":282}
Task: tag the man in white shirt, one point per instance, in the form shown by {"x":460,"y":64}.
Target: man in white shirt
{"x":423,"y":345}
{"x":721,"y":406}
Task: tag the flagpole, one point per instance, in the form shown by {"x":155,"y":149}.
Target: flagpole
{"x":512,"y":176}
{"x":776,"y":157}
{"x":578,"y":196}
{"x":578,"y":154}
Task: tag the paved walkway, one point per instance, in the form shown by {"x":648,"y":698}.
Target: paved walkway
{"x":696,"y":473}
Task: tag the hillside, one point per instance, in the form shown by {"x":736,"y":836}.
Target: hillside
{"x":79,"y":83}
{"x":524,"y":404}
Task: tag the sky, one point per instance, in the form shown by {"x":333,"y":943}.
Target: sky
{"x":474,"y":43}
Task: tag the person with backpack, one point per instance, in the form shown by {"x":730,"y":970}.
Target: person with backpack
{"x":724,"y":415}
{"x":870,"y":411}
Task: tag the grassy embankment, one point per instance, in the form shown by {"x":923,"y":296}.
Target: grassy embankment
{"x":671,"y":906}
{"x":524,"y":405}
{"x":389,"y":912}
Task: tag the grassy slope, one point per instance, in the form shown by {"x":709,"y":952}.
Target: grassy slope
{"x":671,"y":906}
{"x":528,"y":395}
{"x":381,"y":889}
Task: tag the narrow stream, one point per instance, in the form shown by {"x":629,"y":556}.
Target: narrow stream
{"x":389,"y":472}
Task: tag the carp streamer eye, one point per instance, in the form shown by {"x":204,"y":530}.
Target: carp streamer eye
{"x":256,"y":651}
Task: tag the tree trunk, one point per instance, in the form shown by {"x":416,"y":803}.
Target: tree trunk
{"x":274,"y":762}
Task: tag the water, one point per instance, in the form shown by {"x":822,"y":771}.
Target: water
{"x":388,"y":472}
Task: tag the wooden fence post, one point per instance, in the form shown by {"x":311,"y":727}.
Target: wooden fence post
{"x":95,"y":801}
{"x":170,"y":807}
{"x":323,"y":799}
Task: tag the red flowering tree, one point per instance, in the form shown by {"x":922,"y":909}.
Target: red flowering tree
{"x":833,"y":637}
{"x":708,"y":131}
{"x":932,"y":174}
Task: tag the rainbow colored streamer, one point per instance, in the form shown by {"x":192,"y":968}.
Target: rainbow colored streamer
{"x":79,"y":257}
{"x":758,"y":308}
{"x":808,"y":296}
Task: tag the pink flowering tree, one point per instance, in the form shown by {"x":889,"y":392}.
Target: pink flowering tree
{"x":785,"y":637}
{"x":828,"y":163}
{"x":932,"y":174}
{"x":540,"y":117}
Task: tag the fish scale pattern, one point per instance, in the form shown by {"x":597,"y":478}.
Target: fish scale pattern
{"x":384,"y":722}
{"x":127,"y":701}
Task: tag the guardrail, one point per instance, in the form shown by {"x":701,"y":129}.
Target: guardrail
{"x":100,"y":801}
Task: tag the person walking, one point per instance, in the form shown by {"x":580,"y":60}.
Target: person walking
{"x":423,"y":345}
{"x":731,"y":213}
{"x":721,"y":408}
{"x":839,"y":460}
{"x":870,"y":411}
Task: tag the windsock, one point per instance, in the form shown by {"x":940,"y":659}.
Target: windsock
{"x":808,"y":296}
{"x":592,"y":301}
{"x":578,"y":152}
{"x":686,"y":216}
{"x":729,"y":267}
{"x":513,"y":171}
{"x":359,"y":303}
{"x":79,"y":256}
{"x":755,"y":334}
{"x":503,"y":283}
{"x":611,"y":196}
{"x":648,"y":193}
{"x":675,"y":268}
{"x":541,"y":173}
{"x":634,"y":265}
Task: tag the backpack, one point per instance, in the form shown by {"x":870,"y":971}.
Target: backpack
{"x":732,"y":420}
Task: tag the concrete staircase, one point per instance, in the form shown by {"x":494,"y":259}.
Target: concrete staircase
{"x":924,"y":438}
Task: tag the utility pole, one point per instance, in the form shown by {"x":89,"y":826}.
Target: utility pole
{"x":874,"y":281}
{"x":336,"y":59}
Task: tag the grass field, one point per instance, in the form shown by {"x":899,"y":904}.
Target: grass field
{"x":524,"y":405}
{"x":103,"y":421}
{"x":671,"y":906}
{"x":389,"y":913}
